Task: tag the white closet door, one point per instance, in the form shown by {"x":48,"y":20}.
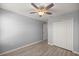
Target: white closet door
{"x":63,"y":34}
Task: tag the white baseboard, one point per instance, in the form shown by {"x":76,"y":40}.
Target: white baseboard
{"x":75,"y":52}
{"x":20,"y":47}
{"x":60,"y":47}
{"x":50,"y":43}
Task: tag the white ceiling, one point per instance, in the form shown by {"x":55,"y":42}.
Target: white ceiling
{"x":26,"y":8}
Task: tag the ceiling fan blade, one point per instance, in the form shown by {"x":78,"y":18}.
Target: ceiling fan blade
{"x":32,"y":12}
{"x":34,"y":5}
{"x":49,"y":13}
{"x":49,"y":6}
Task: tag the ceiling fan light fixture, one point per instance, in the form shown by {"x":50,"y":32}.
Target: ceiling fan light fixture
{"x":41,"y":13}
{"x":41,"y":10}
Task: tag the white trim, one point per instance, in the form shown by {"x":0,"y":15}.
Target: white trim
{"x":20,"y":47}
{"x":75,"y":52}
{"x":50,"y":43}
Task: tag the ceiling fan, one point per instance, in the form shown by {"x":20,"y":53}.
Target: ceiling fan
{"x":41,"y":10}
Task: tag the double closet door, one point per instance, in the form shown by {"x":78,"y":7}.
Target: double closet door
{"x":63,"y":34}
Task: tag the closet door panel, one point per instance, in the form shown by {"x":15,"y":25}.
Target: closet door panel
{"x":63,"y":34}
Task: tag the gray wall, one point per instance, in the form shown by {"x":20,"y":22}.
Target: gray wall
{"x":45,"y":31}
{"x":75,"y":16}
{"x":76,"y":32}
{"x":17,"y":30}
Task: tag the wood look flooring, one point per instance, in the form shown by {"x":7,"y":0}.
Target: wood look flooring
{"x":41,"y":49}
